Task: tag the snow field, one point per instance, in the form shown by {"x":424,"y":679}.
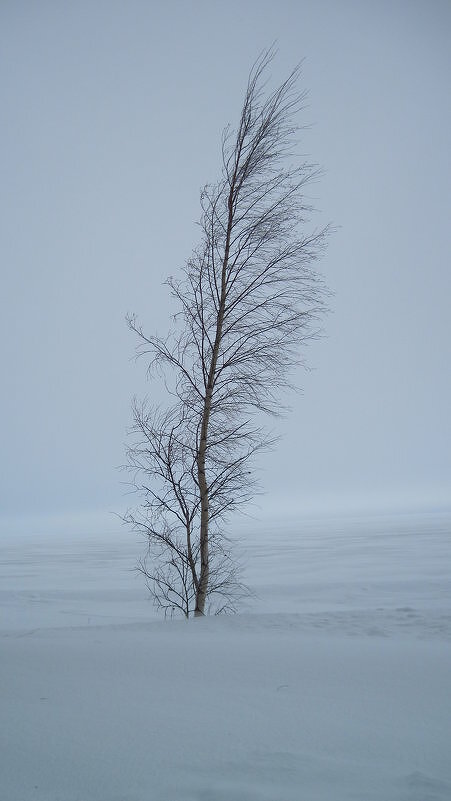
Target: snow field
{"x":334,"y":684}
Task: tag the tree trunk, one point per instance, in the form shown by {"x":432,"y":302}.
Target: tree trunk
{"x":202,"y":587}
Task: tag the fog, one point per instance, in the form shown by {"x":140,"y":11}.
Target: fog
{"x":112,"y":118}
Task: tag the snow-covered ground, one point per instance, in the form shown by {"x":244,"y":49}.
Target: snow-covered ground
{"x":333,"y":684}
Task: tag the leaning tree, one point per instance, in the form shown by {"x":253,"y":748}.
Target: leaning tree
{"x":247,"y":300}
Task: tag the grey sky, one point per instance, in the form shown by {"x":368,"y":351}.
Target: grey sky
{"x":112,"y":115}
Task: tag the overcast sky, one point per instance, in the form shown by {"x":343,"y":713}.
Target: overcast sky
{"x":112,"y":114}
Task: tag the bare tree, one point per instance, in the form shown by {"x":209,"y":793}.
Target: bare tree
{"x":247,"y":300}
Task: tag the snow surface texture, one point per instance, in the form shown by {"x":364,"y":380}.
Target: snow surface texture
{"x":333,"y":685}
